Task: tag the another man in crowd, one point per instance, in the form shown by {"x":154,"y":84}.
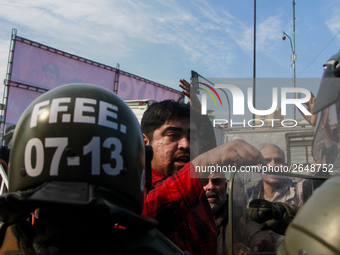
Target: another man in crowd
{"x":216,"y":192}
{"x":272,"y":187}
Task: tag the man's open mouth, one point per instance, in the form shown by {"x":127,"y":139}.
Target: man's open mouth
{"x":184,"y":159}
{"x":212,"y":197}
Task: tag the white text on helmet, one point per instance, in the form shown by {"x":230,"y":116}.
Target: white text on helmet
{"x":107,"y":112}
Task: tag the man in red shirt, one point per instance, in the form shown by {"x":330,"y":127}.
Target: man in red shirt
{"x":178,"y":201}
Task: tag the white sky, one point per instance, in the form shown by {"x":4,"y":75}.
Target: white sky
{"x":163,"y":40}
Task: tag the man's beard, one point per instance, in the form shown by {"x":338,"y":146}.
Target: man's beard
{"x":215,"y":207}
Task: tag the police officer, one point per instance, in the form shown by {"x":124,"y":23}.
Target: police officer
{"x":78,"y":164}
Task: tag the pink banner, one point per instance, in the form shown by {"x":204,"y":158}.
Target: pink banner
{"x":131,"y":89}
{"x":43,"y":67}
{"x":18,"y":100}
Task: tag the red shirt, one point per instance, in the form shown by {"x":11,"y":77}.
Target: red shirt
{"x":183,"y":211}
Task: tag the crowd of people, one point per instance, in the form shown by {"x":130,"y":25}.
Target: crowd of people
{"x":98,"y":192}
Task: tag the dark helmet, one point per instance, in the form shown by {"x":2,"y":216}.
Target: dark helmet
{"x":79,"y":134}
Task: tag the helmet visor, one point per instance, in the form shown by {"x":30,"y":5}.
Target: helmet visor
{"x":326,"y":139}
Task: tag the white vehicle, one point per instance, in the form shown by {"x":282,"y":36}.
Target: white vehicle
{"x":139,"y":106}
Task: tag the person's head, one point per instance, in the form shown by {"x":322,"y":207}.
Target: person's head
{"x":275,"y":157}
{"x":216,"y":191}
{"x":166,"y":127}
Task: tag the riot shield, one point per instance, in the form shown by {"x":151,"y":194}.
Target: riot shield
{"x":246,"y":236}
{"x":326,"y":140}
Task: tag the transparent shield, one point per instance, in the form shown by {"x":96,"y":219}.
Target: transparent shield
{"x":246,"y":236}
{"x":326,"y":140}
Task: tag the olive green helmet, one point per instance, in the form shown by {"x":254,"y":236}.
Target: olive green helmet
{"x":316,"y":227}
{"x":80,"y":133}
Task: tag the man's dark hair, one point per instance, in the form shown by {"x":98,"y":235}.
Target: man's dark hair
{"x":158,"y":113}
